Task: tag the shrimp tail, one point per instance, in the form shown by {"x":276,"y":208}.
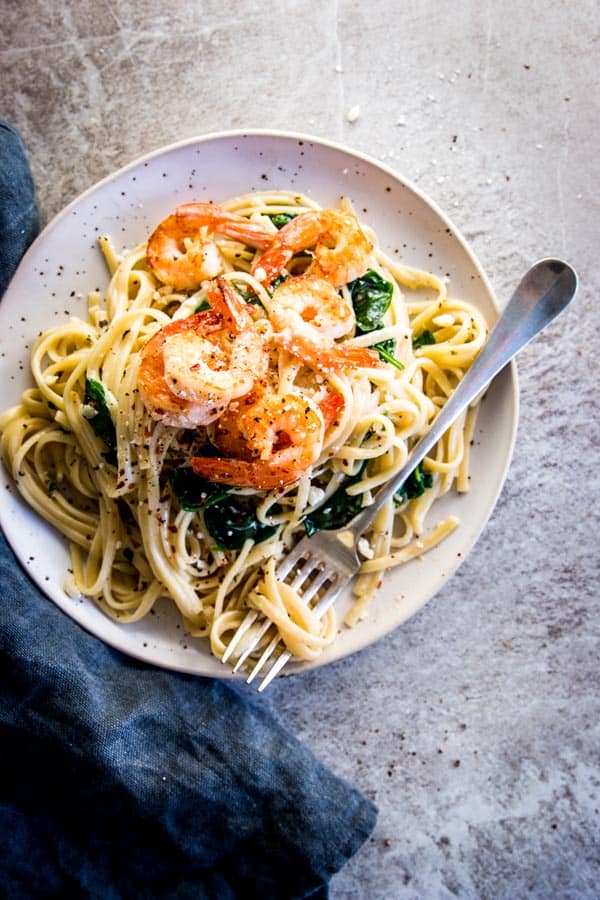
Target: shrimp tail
{"x":234,"y":226}
{"x":241,"y":229}
{"x":330,"y":405}
{"x":226,"y":301}
{"x":358,"y":357}
{"x":329,"y":357}
{"x":243,"y":473}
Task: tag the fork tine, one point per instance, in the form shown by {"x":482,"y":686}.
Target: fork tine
{"x":299,"y":552}
{"x":329,"y":598}
{"x":302,"y":574}
{"x":301,"y":565}
{"x":249,"y":620}
{"x":251,"y":617}
{"x":253,"y":644}
{"x":311,"y":590}
{"x":274,"y":670}
{"x":290,"y":561}
{"x":320,"y":609}
{"x":267,"y":653}
{"x":315,"y":585}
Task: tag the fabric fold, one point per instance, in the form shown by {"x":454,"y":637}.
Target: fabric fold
{"x":126,"y":780}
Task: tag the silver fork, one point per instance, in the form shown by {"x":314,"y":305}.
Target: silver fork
{"x":545,"y":290}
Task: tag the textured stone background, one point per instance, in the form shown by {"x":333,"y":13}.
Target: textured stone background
{"x":474,"y":726}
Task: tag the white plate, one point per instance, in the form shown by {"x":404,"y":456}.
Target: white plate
{"x":64,"y":264}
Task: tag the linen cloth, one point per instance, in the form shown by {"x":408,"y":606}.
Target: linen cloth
{"x":19,"y":222}
{"x":119,"y":779}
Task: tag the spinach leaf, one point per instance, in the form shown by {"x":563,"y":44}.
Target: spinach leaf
{"x":426,"y":337}
{"x":247,"y":294}
{"x":276,"y":282}
{"x":194,"y":492}
{"x":415,"y":485}
{"x":338,"y":510}
{"x":386,"y":352}
{"x":230,"y":522}
{"x":371,"y":297}
{"x":281,"y":219}
{"x":101,"y":421}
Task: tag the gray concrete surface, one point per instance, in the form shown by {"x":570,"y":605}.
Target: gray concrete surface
{"x":474,"y":726}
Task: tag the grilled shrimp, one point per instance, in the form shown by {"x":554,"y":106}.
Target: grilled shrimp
{"x":308,"y":314}
{"x":191,"y":369}
{"x":182,"y":251}
{"x":341,"y":250}
{"x":230,"y":432}
{"x":273,"y":440}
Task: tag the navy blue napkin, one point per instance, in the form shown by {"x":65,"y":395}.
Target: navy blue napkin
{"x":19,"y":221}
{"x":118,"y":779}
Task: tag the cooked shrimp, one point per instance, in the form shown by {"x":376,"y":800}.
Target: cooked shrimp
{"x":309,"y":302}
{"x":181,"y":251}
{"x":330,"y":405}
{"x":273,"y":440}
{"x":341,"y":250}
{"x":191,"y":369}
{"x":308,"y":314}
{"x":232,"y":435}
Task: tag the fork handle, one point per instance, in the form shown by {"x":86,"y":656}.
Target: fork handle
{"x":543,"y":292}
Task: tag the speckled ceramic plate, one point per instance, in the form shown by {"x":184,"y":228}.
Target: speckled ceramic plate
{"x":64,"y":264}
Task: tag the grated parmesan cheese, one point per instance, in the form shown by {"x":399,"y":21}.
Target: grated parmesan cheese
{"x":365,"y":549}
{"x":444,"y":319}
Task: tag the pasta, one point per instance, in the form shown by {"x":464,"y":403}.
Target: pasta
{"x":149,"y":502}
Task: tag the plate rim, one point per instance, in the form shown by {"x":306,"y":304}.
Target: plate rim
{"x":514,"y":394}
{"x":268,"y":133}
